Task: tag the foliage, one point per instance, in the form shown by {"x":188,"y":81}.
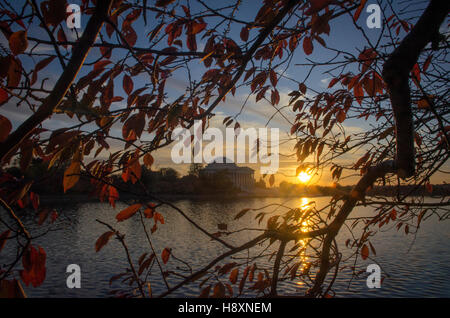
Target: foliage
{"x":113,"y":78}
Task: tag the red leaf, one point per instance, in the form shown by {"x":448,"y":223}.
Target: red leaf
{"x":234,"y":275}
{"x":103,"y":240}
{"x":39,"y":66}
{"x":163,"y":3}
{"x":3,"y":96}
{"x":128,"y":212}
{"x":53,"y":216}
{"x":219,"y":291}
{"x":5,"y":128}
{"x":302,"y":88}
{"x":275,"y":97}
{"x":165,"y":255}
{"x":273,"y":78}
{"x":307,"y":45}
{"x":205,"y":292}
{"x":191,"y":42}
{"x":127,"y":84}
{"x":333,"y":82}
{"x":33,"y":261}
{"x":113,"y":196}
{"x":158,"y":217}
{"x":62,"y":36}
{"x":427,"y":63}
{"x":101,"y":64}
{"x":416,"y":74}
{"x":129,"y":34}
{"x":341,"y":116}
{"x":244,"y":34}
{"x":14,"y":72}
{"x":3,"y":238}
{"x":359,"y":93}
{"x":18,"y":42}
{"x":198,"y":27}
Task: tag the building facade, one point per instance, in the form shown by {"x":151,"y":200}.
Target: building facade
{"x":241,"y":177}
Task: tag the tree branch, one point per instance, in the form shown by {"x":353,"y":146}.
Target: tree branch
{"x":396,"y":75}
{"x":79,"y":54}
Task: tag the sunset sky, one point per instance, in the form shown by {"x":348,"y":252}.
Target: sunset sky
{"x":343,"y":35}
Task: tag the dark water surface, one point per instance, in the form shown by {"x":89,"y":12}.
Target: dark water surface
{"x":416,"y":269}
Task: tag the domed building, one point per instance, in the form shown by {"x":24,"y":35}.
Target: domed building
{"x":241,"y":177}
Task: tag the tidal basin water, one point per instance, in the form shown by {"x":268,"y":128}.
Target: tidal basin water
{"x":417,"y":267}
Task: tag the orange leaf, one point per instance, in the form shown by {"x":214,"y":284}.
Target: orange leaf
{"x":219,"y":290}
{"x":158,"y":217}
{"x":148,"y":160}
{"x":198,"y":27}
{"x":234,"y":275}
{"x":165,"y":255}
{"x":128,"y":212}
{"x":113,"y":196}
{"x":18,"y":42}
{"x":71,"y":175}
{"x":271,"y":179}
{"x":420,"y":217}
{"x":103,"y":240}
{"x":364,"y":252}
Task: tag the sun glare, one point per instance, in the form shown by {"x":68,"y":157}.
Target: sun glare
{"x":304,"y":176}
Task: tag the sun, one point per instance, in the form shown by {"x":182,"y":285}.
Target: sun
{"x":304,"y":176}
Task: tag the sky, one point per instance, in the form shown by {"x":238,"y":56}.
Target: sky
{"x":343,"y":35}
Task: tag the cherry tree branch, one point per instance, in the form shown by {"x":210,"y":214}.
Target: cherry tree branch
{"x":80,"y":52}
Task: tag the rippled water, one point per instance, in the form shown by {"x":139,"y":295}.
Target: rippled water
{"x":416,"y":269}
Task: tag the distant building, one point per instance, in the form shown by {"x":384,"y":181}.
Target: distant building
{"x":242,"y":177}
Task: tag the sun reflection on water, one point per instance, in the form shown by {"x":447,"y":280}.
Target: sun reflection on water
{"x":304,"y":227}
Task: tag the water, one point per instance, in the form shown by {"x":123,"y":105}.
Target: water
{"x":416,"y":269}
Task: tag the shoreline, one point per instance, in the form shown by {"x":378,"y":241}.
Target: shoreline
{"x":84,"y":198}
